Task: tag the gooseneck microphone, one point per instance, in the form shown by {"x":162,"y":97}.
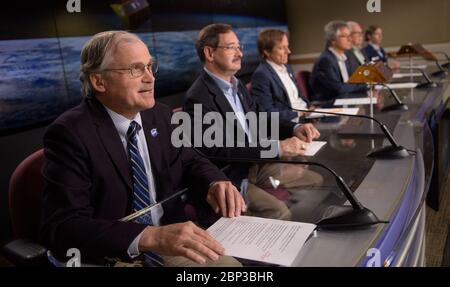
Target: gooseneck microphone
{"x":346,"y":217}
{"x":441,"y":71}
{"x":393,"y":151}
{"x":428,"y":84}
{"x":399,"y":106}
{"x":446,"y":65}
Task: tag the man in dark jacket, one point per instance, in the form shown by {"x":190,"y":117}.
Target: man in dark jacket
{"x":332,"y":70}
{"x":112,"y":155}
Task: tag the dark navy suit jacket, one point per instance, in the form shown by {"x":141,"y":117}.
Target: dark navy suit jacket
{"x":373,"y":55}
{"x":89,"y":183}
{"x":326,"y":79}
{"x":270,"y":93}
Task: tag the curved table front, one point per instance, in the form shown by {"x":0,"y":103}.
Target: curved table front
{"x":394,"y":189}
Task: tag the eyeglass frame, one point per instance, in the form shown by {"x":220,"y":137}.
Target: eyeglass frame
{"x":230,"y":47}
{"x":356,"y":33}
{"x":345,"y":36}
{"x":152,"y":68}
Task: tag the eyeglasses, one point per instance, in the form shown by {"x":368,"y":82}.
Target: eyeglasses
{"x":357,"y":33}
{"x":234,"y":48}
{"x":138,"y":69}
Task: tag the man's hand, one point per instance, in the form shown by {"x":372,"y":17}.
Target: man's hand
{"x":181,"y":239}
{"x":224,"y":198}
{"x":292,"y":147}
{"x":306,"y":132}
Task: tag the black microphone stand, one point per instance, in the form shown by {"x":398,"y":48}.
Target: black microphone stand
{"x":428,"y":84}
{"x":446,"y":65}
{"x":399,"y":106}
{"x":393,"y":151}
{"x":347,"y":217}
{"x":441,"y":71}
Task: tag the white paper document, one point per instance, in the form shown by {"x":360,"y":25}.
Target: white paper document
{"x":397,"y":86}
{"x":314,"y":147}
{"x":419,"y":67}
{"x":261,"y":239}
{"x":354,"y":101}
{"x":347,"y":111}
{"x":405,"y":75}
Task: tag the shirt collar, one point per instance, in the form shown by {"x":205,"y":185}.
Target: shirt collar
{"x":276,"y":67}
{"x":224,"y":85}
{"x":376,"y":47}
{"x":340,"y":58}
{"x":122,"y":123}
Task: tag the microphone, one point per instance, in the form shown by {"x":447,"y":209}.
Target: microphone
{"x":446,"y":65}
{"x":428,"y":84}
{"x":346,"y":217}
{"x":399,"y":106}
{"x":149,"y":208}
{"x":441,"y":71}
{"x":393,"y":151}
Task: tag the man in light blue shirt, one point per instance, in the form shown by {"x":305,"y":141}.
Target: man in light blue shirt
{"x":218,"y":90}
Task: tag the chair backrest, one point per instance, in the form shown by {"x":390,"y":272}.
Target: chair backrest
{"x":302,"y":78}
{"x":25,"y":196}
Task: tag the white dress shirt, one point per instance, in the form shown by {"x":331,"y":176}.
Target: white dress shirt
{"x":378,"y":49}
{"x":295,"y":100}
{"x":341,"y":58}
{"x":230,"y":90}
{"x":359,"y":55}
{"x":122,"y":124}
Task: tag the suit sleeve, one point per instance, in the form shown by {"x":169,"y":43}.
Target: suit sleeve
{"x":67,"y":214}
{"x":330,"y":78}
{"x":263,"y":93}
{"x":198,"y":172}
{"x":285,"y":127}
{"x":214,"y":150}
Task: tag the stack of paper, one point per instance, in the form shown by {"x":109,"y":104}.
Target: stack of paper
{"x":314,"y":147}
{"x":419,"y":67}
{"x":261,"y":239}
{"x":405,"y":75}
{"x":397,"y":86}
{"x":347,"y":111}
{"x":355,"y":101}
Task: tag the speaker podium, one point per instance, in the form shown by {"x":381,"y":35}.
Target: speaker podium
{"x":377,"y":73}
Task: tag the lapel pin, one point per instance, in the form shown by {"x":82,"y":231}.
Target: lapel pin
{"x":154,"y":132}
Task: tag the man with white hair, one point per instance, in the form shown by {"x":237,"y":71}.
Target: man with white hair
{"x":356,"y":55}
{"x":331,"y":71}
{"x":112,"y":155}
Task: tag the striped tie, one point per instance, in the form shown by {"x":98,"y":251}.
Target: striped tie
{"x":141,"y":192}
{"x":140,"y":180}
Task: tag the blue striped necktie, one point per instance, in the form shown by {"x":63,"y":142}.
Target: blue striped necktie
{"x":140,"y":180}
{"x":141,"y":188}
